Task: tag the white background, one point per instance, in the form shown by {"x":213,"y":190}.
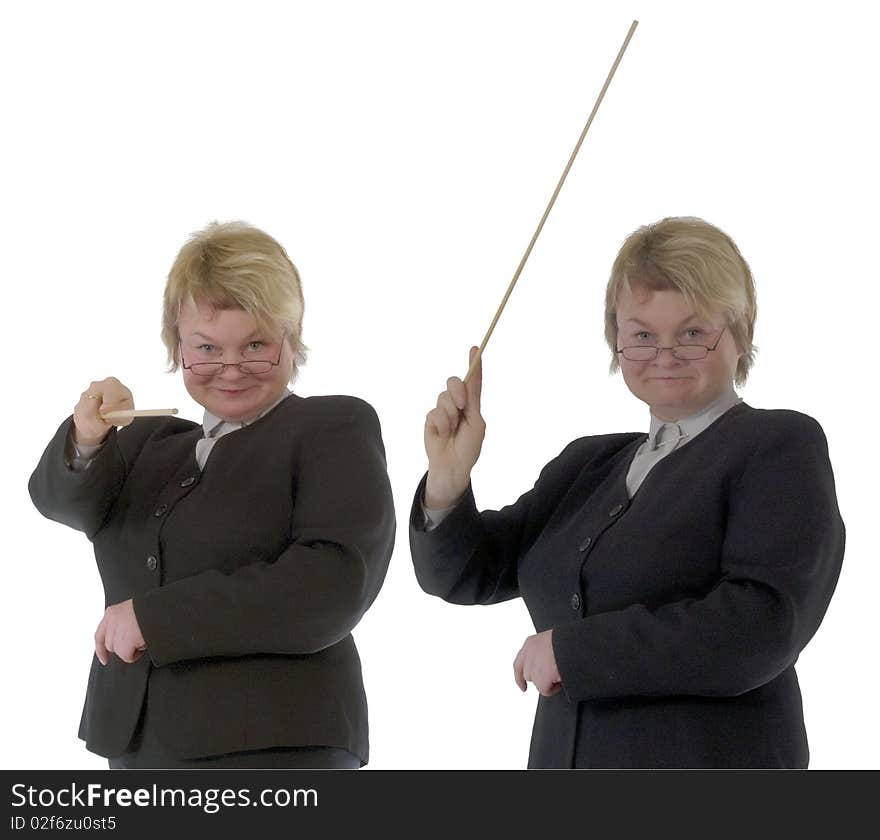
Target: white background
{"x":403,"y":153}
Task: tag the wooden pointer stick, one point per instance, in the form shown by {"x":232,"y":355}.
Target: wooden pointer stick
{"x":125,"y":413}
{"x":522,"y":262}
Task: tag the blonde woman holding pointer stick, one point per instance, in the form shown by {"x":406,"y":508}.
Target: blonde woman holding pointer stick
{"x":673,"y":575}
{"x":238,"y":554}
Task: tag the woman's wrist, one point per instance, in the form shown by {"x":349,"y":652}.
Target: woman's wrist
{"x":87,"y":442}
{"x":443,"y":492}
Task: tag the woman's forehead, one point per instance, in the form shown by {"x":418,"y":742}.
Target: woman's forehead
{"x":661,"y":307}
{"x":215,"y":322}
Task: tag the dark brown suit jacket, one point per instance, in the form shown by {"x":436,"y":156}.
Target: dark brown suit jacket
{"x":246,"y":579}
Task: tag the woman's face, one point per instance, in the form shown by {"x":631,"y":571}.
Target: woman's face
{"x":231,"y":335}
{"x":673,"y":388}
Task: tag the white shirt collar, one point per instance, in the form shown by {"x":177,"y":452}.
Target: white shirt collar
{"x":696,"y":423}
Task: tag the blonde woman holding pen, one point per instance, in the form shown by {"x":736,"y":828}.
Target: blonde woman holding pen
{"x":237,"y":554}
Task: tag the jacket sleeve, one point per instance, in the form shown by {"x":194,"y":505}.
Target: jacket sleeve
{"x":472,"y":557}
{"x":82,"y":499}
{"x":781,"y":557}
{"x":313,"y":594}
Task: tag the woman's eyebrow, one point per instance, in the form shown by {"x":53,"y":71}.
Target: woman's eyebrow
{"x":248,"y":338}
{"x":693,"y":317}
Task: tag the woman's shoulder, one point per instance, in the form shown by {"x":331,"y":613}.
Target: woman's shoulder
{"x":155,"y":428}
{"x":599,"y":444}
{"x":776,"y":423}
{"x":592,"y":450}
{"x":169,"y":425}
{"x":329,"y":408}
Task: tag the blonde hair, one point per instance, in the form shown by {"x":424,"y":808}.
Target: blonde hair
{"x":688,"y":255}
{"x":235,"y":266}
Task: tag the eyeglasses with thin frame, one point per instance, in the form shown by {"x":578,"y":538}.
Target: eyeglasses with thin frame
{"x":250,"y":366}
{"x":685,"y":352}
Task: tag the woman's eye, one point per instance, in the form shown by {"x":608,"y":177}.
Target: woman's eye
{"x":255,"y":345}
{"x":693,"y":332}
{"x":643,"y":336}
{"x":206,"y":348}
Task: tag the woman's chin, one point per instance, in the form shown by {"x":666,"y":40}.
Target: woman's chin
{"x":233,"y":406}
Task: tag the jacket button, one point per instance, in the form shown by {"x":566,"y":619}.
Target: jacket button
{"x":152,"y":562}
{"x":575,"y":601}
{"x":160,"y":510}
{"x":585,"y":544}
{"x":188,"y":482}
{"x":615,"y":510}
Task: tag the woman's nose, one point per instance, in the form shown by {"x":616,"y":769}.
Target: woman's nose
{"x":231,"y":371}
{"x":666,"y":357}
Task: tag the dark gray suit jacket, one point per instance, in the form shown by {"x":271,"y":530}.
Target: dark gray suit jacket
{"x":677,"y":615}
{"x":246,"y":579}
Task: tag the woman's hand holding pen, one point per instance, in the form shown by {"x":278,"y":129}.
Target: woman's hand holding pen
{"x":454,"y":433}
{"x":118,"y":631}
{"x":90,"y":428}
